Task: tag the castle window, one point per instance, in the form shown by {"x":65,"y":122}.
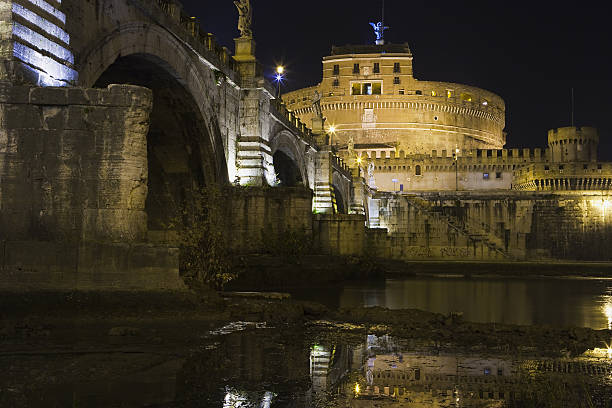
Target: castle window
{"x":435,"y":118}
{"x":434,"y":93}
{"x":336,"y":69}
{"x":485,"y":102}
{"x":599,"y":167}
{"x":417,"y":170}
{"x":449,"y":93}
{"x":396,"y":80}
{"x":376,"y":68}
{"x":546,"y":168}
{"x":466,"y":97}
{"x":401,"y":91}
{"x":418,"y":92}
{"x":585,"y":166}
{"x":560,"y":167}
{"x":396,"y":68}
{"x":355,"y":68}
{"x":366,"y":88}
{"x":498,"y":175}
{"x":485,"y":176}
{"x":336,"y":82}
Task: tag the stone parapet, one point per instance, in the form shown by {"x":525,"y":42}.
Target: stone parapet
{"x":339,"y":234}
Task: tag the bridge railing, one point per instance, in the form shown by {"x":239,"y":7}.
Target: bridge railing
{"x":340,"y":166}
{"x":174,"y":10}
{"x":278,"y":107}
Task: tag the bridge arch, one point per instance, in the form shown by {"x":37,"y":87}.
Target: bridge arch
{"x":342,"y":192}
{"x":185,"y":150}
{"x":166,"y":50}
{"x":289,"y":159}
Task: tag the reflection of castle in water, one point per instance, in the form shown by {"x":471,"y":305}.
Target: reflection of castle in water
{"x":428,"y":376}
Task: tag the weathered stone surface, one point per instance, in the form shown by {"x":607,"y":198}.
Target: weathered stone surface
{"x":500,"y":226}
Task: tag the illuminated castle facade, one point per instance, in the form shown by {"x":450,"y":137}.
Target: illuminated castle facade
{"x":411,"y":135}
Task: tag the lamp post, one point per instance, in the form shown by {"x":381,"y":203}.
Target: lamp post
{"x":332,"y":132}
{"x":456,"y":159}
{"x":279,"y":77}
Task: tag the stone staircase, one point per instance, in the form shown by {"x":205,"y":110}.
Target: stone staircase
{"x":474,"y":230}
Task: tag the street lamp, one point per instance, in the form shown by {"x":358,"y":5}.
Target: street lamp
{"x":331,"y":131}
{"x":279,"y":77}
{"x":456,"y":159}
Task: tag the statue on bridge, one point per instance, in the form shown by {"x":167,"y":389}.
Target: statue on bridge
{"x":316,"y":105}
{"x":245,"y":18}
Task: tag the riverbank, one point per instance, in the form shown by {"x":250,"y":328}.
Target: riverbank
{"x":267,"y":272}
{"x":48,"y":316}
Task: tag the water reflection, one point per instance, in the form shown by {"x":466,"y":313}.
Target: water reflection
{"x":556,"y":302}
{"x":268,"y":368}
{"x":607,"y":309}
{"x":395,"y":373}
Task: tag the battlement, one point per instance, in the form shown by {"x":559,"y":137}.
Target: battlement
{"x":573,"y":144}
{"x":564,"y":176}
{"x":573,"y":134}
{"x":466,"y":157}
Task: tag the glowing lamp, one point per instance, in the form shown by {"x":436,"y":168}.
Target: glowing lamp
{"x":357,"y":389}
{"x":359,"y":160}
{"x":280,"y":69}
{"x":332,"y":129}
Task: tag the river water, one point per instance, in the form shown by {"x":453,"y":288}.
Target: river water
{"x":579,"y":302}
{"x":325,"y":365}
{"x":249,"y":365}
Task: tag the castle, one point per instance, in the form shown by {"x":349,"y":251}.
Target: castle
{"x":404,"y":134}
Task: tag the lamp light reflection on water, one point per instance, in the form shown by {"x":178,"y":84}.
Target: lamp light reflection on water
{"x":607,"y":309}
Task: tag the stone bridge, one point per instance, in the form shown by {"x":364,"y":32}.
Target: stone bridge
{"x":112,"y":112}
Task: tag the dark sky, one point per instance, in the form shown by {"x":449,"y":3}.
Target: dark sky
{"x":529,"y":53}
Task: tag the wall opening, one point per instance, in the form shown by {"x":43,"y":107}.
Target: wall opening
{"x":287,"y":172}
{"x":340,"y":201}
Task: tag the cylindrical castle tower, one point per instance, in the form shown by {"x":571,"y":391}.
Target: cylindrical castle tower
{"x":370,"y":96}
{"x":573,"y":144}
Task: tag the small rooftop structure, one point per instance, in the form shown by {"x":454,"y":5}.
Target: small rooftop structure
{"x":371,"y":49}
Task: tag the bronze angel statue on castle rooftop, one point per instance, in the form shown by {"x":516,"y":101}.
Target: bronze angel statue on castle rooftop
{"x":245,"y":18}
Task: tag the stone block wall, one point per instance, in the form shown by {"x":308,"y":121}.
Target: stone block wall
{"x":339,"y":234}
{"x":258,"y":216}
{"x":73,"y":163}
{"x":73,"y":184}
{"x":499,"y":226}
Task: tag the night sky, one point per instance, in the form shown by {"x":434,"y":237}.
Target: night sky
{"x":531,"y":54}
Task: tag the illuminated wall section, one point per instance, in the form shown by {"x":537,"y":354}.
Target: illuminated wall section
{"x":40,"y":43}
